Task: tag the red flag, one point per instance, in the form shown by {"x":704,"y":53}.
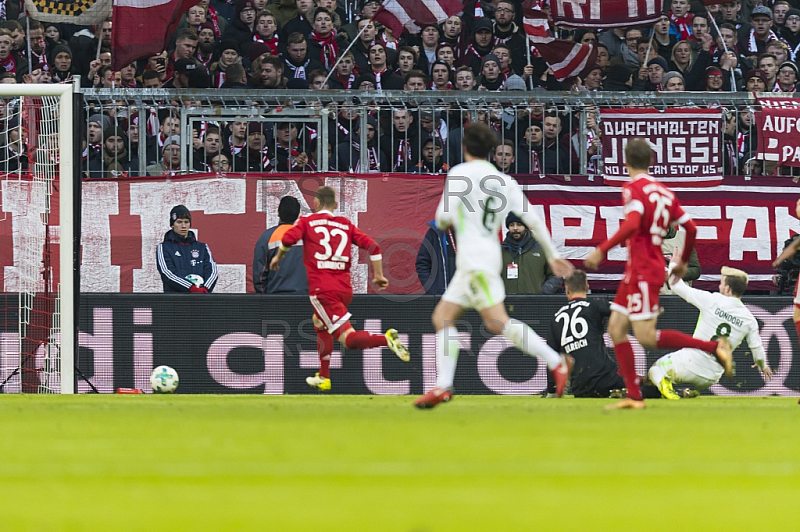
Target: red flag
{"x":566,"y":58}
{"x":398,"y":15}
{"x":605,"y":13}
{"x":142,"y":27}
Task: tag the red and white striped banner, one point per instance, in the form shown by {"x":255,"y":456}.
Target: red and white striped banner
{"x":605,"y":13}
{"x":687,"y":144}
{"x":142,"y":27}
{"x":412,"y":15}
{"x":566,"y":58}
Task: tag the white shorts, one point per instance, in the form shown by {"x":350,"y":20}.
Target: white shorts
{"x":691,"y":366}
{"x":475,"y":289}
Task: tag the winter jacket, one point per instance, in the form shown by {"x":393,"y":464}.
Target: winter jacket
{"x":534,"y":275}
{"x":436,"y":260}
{"x":177,"y":257}
{"x":291,"y":276}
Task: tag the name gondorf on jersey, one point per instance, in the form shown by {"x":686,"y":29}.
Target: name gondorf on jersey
{"x":727,"y":317}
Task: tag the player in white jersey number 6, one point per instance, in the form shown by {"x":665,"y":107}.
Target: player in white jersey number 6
{"x":477,"y":198}
{"x":722,"y":314}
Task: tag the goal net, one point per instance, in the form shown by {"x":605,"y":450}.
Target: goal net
{"x":37,"y":338}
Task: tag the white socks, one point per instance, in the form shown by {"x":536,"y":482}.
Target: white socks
{"x":446,"y":356}
{"x":530,"y":343}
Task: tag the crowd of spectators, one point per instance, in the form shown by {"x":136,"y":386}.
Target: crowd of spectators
{"x":742,"y":45}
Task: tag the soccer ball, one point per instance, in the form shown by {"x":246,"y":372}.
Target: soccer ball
{"x":164,"y":379}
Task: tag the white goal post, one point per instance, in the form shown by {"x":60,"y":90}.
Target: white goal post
{"x":37,"y":172}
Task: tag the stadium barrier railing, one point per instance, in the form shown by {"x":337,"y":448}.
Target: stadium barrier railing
{"x":331,"y":118}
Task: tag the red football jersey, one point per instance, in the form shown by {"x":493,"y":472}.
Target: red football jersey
{"x":327,"y":241}
{"x":659,"y":208}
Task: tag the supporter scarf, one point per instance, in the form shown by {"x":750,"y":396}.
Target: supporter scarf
{"x":471,"y":50}
{"x":448,"y":87}
{"x":160,"y":140}
{"x":378,"y":77}
{"x":684,"y":25}
{"x":299,"y":71}
{"x":219,"y":78}
{"x":752,"y":45}
{"x":129,"y":84}
{"x":272,"y":43}
{"x":9,"y":64}
{"x":387,"y":44}
{"x":479,"y":10}
{"x":590,"y":165}
{"x":403,"y":153}
{"x":343,"y":130}
{"x":730,"y":153}
{"x":741,"y":142}
{"x":374,"y":161}
{"x":200,"y":58}
{"x":62,"y":77}
{"x":236,"y":150}
{"x":330,"y":50}
{"x":212,"y":15}
{"x":266,"y":163}
{"x":41,"y":60}
{"x":536,"y":166}
{"x":90,"y":149}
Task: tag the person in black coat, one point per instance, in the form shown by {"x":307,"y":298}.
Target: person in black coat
{"x":436,"y":260}
{"x":185,"y":264}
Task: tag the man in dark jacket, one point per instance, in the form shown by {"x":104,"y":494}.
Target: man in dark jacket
{"x":526,"y":269}
{"x":436,"y":259}
{"x":185,"y":264}
{"x":291,"y":277}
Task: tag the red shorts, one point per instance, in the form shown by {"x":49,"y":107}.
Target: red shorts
{"x":331,"y":308}
{"x":637,"y":300}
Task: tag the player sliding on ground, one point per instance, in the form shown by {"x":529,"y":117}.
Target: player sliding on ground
{"x":721,"y":315}
{"x":650,"y":208}
{"x":476,"y":200}
{"x":327,"y":240}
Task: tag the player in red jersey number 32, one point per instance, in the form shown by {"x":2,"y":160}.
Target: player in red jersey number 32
{"x":327,"y":240}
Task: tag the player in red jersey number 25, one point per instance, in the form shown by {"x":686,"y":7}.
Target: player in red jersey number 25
{"x":650,"y":209}
{"x":327,"y":240}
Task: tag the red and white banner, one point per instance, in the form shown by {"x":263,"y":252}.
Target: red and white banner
{"x":566,"y":58}
{"x":779,"y":131}
{"x":142,"y":27}
{"x":742,"y":223}
{"x":686,"y":144}
{"x":413,"y":15}
{"x":604,"y":13}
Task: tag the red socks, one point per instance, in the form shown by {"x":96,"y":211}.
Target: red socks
{"x":324,"y":348}
{"x":627,"y":365}
{"x":676,"y":340}
{"x":364,"y":340}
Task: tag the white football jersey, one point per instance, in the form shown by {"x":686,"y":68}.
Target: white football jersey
{"x":476,"y":200}
{"x":723,"y":316}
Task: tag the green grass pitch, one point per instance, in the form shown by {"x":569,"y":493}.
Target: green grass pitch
{"x":370,"y":463}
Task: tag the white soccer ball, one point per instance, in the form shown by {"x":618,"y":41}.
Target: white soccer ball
{"x":164,"y":379}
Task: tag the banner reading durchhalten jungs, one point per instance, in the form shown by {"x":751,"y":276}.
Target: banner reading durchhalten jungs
{"x":687,"y":144}
{"x":779,"y":131}
{"x":81,"y":12}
